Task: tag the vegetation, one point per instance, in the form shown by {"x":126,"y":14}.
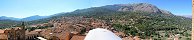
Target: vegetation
{"x":146,"y":24}
{"x":8,"y":23}
{"x":39,"y":27}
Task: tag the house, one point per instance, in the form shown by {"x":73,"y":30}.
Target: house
{"x":77,"y":37}
{"x":3,"y":35}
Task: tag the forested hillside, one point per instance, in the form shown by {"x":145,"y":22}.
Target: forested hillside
{"x":8,"y":23}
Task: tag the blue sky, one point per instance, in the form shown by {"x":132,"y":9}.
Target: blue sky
{"x":26,"y":8}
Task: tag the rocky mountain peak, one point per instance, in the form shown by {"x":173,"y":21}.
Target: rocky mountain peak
{"x":141,"y":7}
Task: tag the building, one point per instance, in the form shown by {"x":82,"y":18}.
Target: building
{"x":3,"y":35}
{"x":16,"y":33}
{"x":77,"y":37}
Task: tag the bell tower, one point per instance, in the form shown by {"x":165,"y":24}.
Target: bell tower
{"x":23,"y":31}
{"x":23,"y":26}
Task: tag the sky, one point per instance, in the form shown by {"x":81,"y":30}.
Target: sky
{"x":26,"y":8}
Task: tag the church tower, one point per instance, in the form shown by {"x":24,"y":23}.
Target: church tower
{"x":23,"y":31}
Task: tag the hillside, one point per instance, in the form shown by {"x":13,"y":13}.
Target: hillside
{"x":8,"y":23}
{"x":132,"y":19}
{"x":119,"y":10}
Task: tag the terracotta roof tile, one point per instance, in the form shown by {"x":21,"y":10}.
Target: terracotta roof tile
{"x":2,"y":31}
{"x":3,"y":36}
{"x":76,"y":37}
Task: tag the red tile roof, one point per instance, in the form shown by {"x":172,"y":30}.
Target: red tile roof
{"x":2,"y":31}
{"x":3,"y":36}
{"x":76,"y":37}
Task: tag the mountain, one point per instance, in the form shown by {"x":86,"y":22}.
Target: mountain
{"x":11,"y":18}
{"x":137,"y":7}
{"x":110,"y":9}
{"x":140,"y":13}
{"x":6,"y":22}
{"x":31,"y":18}
{"x":132,"y":19}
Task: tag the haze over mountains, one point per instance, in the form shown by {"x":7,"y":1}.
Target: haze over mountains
{"x":31,"y":18}
{"x":187,"y":16}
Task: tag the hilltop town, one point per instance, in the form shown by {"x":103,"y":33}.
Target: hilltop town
{"x":66,"y":28}
{"x":128,"y":21}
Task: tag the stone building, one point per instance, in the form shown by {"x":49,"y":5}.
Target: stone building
{"x":16,"y":33}
{"x":3,"y":35}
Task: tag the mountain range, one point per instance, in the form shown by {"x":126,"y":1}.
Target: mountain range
{"x":140,"y":12}
{"x":37,"y":17}
{"x":144,"y":7}
{"x":31,"y":18}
